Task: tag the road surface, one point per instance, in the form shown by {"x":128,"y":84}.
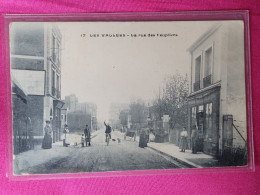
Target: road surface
{"x":99,"y":157}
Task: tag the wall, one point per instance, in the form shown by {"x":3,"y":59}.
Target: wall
{"x":211,"y":40}
{"x":28,"y":39}
{"x":236,"y":94}
{"x":35,"y":112}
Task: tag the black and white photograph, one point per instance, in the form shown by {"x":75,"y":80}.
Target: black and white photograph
{"x":126,"y":96}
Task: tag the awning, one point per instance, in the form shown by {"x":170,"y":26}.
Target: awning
{"x":18,"y":90}
{"x":58,"y":103}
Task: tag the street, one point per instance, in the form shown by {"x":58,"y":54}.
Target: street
{"x":99,"y":157}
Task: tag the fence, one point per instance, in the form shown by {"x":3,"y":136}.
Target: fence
{"x":22,"y":134}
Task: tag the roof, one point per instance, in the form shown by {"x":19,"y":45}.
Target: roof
{"x":203,"y":37}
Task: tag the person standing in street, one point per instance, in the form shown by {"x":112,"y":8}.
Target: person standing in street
{"x":184,"y":135}
{"x":66,"y":131}
{"x":47,"y":140}
{"x":87,"y":135}
{"x":194,"y":139}
{"x":143,"y":139}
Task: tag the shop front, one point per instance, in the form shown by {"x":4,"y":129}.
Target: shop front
{"x":204,"y":114}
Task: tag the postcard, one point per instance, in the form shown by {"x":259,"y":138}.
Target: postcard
{"x":126,"y":96}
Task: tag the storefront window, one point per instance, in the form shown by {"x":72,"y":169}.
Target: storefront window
{"x":193,"y":116}
{"x":208,"y":120}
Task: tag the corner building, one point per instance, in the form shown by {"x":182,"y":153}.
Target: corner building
{"x":35,"y":63}
{"x":217,"y":101}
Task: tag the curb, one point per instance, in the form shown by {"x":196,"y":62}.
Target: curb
{"x":174,"y":158}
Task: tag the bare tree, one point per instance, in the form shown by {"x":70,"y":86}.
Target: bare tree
{"x":138,"y":112}
{"x":172,"y":99}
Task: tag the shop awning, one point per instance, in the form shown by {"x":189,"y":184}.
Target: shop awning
{"x":58,"y":103}
{"x":18,"y":90}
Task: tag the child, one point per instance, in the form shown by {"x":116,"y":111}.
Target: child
{"x":82,"y":140}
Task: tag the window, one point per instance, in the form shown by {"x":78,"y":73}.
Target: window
{"x":193,"y":116}
{"x":208,"y":62}
{"x":196,"y":86}
{"x":207,"y":67}
{"x":197,"y":68}
{"x":58,"y":52}
{"x":58,"y":83}
{"x":208,"y":120}
{"x":58,"y":86}
{"x":53,"y":82}
{"x":53,"y":48}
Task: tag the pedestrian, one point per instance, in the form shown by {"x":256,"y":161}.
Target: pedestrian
{"x":47,"y":140}
{"x":143,"y":139}
{"x":87,"y":135}
{"x":82,"y":140}
{"x":66,"y":131}
{"x":194,"y":139}
{"x":184,"y":135}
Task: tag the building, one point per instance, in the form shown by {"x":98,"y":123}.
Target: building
{"x":72,"y":102}
{"x":22,"y":129}
{"x":80,"y":113}
{"x":114,"y":114}
{"x":64,"y":117}
{"x":91,"y":110}
{"x":217,"y":102}
{"x":35,"y":64}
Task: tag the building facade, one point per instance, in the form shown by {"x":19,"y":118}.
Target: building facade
{"x":217,"y":102}
{"x":35,"y":63}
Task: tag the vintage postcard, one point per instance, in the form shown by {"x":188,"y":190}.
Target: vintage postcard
{"x":123,"y":96}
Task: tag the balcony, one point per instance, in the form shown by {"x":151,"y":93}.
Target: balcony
{"x":207,"y":81}
{"x":55,"y":92}
{"x":196,"y":86}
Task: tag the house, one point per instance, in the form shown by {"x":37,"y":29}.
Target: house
{"x":217,"y":101}
{"x":35,"y":64}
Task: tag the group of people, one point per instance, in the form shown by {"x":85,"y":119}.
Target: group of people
{"x":86,"y":137}
{"x":184,"y":140}
{"x":47,"y":139}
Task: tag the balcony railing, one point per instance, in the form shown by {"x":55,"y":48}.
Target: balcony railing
{"x":207,"y":81}
{"x":196,"y":86}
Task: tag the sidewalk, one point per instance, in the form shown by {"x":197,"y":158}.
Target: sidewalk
{"x":23,"y":161}
{"x":199,"y":160}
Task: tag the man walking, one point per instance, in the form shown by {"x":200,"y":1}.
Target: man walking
{"x":87,"y":135}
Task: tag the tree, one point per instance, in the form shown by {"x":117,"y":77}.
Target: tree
{"x":123,"y":117}
{"x":138,"y":112}
{"x":172,"y":99}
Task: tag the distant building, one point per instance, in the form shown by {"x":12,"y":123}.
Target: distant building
{"x":217,"y":88}
{"x":35,"y":64}
{"x":64,"y":117}
{"x":114,"y":113}
{"x":79,"y":114}
{"x":91,"y":110}
{"x":72,"y":102}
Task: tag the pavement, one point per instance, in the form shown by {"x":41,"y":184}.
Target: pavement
{"x":99,"y":157}
{"x":118,"y":156}
{"x":199,"y":160}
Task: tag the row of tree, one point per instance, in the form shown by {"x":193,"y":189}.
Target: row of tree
{"x":170,"y":100}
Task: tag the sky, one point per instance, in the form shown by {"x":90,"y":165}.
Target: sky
{"x":106,"y":70}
